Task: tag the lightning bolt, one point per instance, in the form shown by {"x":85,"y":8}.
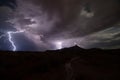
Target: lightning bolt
{"x":10,"y":33}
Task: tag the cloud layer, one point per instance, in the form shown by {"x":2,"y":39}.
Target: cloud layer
{"x":69,"y":21}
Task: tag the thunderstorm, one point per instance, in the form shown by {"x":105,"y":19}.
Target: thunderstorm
{"x":10,"y":38}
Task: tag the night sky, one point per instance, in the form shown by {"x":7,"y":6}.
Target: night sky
{"x":38,"y":25}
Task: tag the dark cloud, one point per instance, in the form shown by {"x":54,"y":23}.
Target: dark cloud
{"x":87,"y":23}
{"x":8,"y":3}
{"x":76,"y":21}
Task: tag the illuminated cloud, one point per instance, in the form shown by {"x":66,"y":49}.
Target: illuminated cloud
{"x":58,"y":24}
{"x":33,"y":20}
{"x":108,"y":38}
{"x":58,"y":45}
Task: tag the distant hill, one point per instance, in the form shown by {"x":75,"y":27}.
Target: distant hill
{"x":67,"y":64}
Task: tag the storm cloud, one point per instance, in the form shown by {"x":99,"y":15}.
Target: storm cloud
{"x":72,"y":22}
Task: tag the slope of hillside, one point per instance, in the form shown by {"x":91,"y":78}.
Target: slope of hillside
{"x":67,"y":64}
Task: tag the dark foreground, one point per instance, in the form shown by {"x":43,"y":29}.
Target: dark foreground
{"x":67,"y":64}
